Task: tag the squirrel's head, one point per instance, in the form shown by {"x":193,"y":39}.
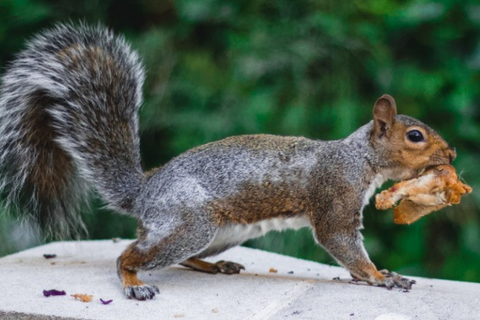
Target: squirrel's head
{"x":405,"y":146}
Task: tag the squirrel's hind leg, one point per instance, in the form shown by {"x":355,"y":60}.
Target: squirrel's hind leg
{"x":155,"y":249}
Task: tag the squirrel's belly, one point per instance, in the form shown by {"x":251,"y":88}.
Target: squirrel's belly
{"x":233,"y":234}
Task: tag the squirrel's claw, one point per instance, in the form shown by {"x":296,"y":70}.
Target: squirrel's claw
{"x":143,"y":292}
{"x":393,"y":279}
{"x":229,"y":267}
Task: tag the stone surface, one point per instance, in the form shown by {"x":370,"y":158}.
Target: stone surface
{"x":298,"y":290}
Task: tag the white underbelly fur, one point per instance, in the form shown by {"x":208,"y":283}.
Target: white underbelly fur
{"x":239,"y":233}
{"x":374,"y":185}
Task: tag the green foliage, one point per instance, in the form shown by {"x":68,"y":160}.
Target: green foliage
{"x":313,"y":68}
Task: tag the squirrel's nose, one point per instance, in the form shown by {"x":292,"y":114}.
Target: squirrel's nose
{"x":452,"y":154}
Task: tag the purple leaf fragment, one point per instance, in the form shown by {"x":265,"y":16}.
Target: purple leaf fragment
{"x":105,"y":302}
{"x":53,"y":292}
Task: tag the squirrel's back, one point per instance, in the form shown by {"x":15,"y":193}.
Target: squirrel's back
{"x":68,"y":121}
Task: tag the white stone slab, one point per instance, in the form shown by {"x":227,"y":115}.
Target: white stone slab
{"x":299,"y":290}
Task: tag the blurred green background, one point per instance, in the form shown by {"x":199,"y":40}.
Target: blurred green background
{"x":217,"y":68}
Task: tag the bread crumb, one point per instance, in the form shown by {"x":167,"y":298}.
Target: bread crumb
{"x":83,"y":297}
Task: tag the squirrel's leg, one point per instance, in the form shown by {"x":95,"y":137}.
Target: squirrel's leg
{"x":345,"y":244}
{"x":219,"y":244}
{"x":154,"y":249}
{"x":221,"y":266}
{"x":132,"y":260}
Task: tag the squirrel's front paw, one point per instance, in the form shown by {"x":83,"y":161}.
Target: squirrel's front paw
{"x":141,"y":292}
{"x":393,"y":279}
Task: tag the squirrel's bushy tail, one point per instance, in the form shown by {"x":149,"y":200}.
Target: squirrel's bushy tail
{"x":68,"y":122}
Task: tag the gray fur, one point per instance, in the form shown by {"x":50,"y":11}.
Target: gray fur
{"x":219,"y":169}
{"x":82,"y":99}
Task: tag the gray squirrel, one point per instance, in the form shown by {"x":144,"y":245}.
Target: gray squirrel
{"x":69,"y":124}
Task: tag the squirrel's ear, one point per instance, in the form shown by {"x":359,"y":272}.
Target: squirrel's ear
{"x":384,"y":112}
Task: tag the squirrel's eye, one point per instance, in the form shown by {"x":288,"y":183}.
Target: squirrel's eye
{"x":415,"y":136}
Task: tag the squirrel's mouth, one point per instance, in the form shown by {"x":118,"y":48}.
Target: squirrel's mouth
{"x":422,"y":170}
{"x":435,"y":163}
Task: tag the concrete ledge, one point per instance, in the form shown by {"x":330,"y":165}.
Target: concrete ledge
{"x":299,"y":290}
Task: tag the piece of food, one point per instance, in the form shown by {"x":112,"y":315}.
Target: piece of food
{"x":82,"y":297}
{"x":105,"y":301}
{"x":435,"y":189}
{"x":53,"y":292}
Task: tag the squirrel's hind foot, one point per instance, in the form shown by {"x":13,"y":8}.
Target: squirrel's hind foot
{"x":226,"y":267}
{"x":229,"y":267}
{"x":141,"y":292}
{"x":393,"y":279}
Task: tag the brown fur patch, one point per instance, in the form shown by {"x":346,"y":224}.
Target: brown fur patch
{"x":53,"y":166}
{"x":67,"y":55}
{"x":256,"y":202}
{"x":367,"y":271}
{"x":131,"y":260}
{"x":134,"y":259}
{"x":130,"y":279}
{"x":406,"y":157}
